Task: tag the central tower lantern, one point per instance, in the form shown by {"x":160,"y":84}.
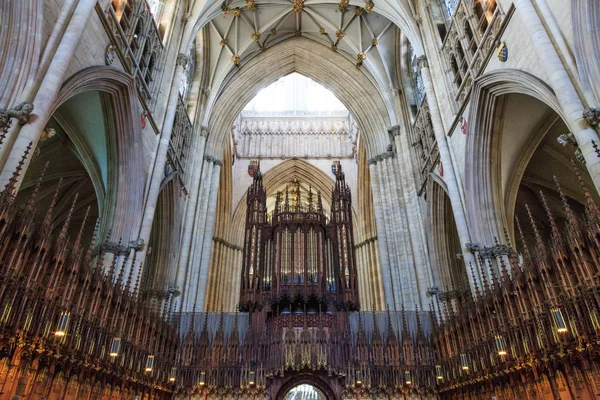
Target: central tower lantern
{"x":299,"y":260}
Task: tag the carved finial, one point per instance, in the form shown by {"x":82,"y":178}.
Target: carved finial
{"x":9,"y":189}
{"x":63,"y":232}
{"x":536,"y":233}
{"x":130,"y":275}
{"x":554,"y":229}
{"x":77,"y":242}
{"x":113,"y":265}
{"x":523,"y":241}
{"x":420,"y":332}
{"x":122,"y":270}
{"x":477,"y":292}
{"x":34,"y":194}
{"x":484,"y":282}
{"x":287,"y":199}
{"x":136,"y":288}
{"x":93,"y":242}
{"x":47,"y":223}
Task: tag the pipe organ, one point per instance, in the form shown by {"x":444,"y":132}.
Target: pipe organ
{"x":298,"y":257}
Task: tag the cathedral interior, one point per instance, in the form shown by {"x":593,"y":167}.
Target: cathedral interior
{"x":299,"y":199}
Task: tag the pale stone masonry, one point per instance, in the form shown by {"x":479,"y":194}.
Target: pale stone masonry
{"x":55,"y":50}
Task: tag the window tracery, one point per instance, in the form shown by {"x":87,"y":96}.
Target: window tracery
{"x":475,"y":26}
{"x":155,"y":7}
{"x":416,"y":78}
{"x":424,"y":147}
{"x":137,"y":41}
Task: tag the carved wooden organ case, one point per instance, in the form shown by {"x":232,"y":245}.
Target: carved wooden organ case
{"x":299,"y":260}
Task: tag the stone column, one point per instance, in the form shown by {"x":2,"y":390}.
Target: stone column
{"x":563,"y":87}
{"x":382,"y":235}
{"x":47,"y":94}
{"x":193,"y":263}
{"x":190,"y":209}
{"x":394,"y":229}
{"x":209,"y":228}
{"x":415,"y":217}
{"x":449,"y":173}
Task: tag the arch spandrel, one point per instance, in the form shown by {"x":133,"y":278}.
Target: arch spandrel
{"x":124,"y":144}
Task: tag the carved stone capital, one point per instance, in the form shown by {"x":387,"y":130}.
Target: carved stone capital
{"x":20,"y":112}
{"x":567,"y":138}
{"x":432,"y":291}
{"x":592,"y":116}
{"x":182,"y":59}
{"x":473,"y":247}
{"x":395,"y":130}
{"x":487,"y":253}
{"x":137,"y":244}
{"x":371,"y":161}
{"x":218,"y":162}
{"x":204,"y":131}
{"x":422,"y":62}
{"x":209,"y":158}
{"x":501,"y":250}
{"x":113,"y":248}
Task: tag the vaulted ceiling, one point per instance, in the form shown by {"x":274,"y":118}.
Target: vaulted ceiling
{"x":357,"y":32}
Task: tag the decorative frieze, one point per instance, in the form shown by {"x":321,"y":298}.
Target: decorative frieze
{"x":298,"y":134}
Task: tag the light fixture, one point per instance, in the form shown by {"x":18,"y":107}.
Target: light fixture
{"x":358,"y":378}
{"x":464,"y":362}
{"x":115,"y":347}
{"x":149,"y":363}
{"x":501,"y":345}
{"x":438,"y":372}
{"x":559,"y":321}
{"x":173,"y":374}
{"x":251,"y":378}
{"x":63,"y":322}
{"x":202,"y":380}
{"x":407,"y":378}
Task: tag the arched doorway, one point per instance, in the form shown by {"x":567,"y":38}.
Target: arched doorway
{"x":303,"y":385}
{"x":305,"y":391}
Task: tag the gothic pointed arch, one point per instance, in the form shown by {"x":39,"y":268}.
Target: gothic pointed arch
{"x":451,"y":278}
{"x":351,"y":86}
{"x":485,"y":200}
{"x":126,"y":168}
